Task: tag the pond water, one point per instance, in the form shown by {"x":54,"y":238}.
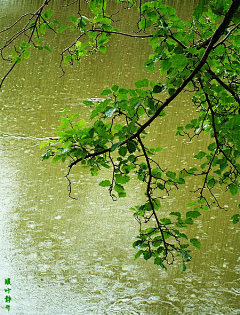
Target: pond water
{"x":68,"y":257}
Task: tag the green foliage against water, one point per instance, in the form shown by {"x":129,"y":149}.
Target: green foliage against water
{"x":200,"y":55}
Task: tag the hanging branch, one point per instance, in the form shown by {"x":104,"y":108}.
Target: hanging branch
{"x":33,"y":28}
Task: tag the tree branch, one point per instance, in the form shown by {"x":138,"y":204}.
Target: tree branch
{"x":226,"y":87}
{"x":22,"y":31}
{"x":225,"y":38}
{"x":219,"y":145}
{"x":148,"y":193}
{"x":201,"y":63}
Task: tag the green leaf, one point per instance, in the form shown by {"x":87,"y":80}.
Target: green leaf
{"x":185,"y":255}
{"x":88,"y":103}
{"x":188,"y":221}
{"x":81,"y":124}
{"x":114,"y":146}
{"x":56,"y":158}
{"x":131,"y":146}
{"x":122,"y":91}
{"x":212,"y":146}
{"x":171,"y":91}
{"x":159,"y":261}
{"x":138,"y":244}
{"x":236,"y":17}
{"x":110,"y":112}
{"x":189,"y":126}
{"x":198,"y":11}
{"x":43,"y":144}
{"x":200,"y":155}
{"x":122,"y":179}
{"x":118,"y":127}
{"x":180,"y":181}
{"x":46,"y":155}
{"x":17,"y":59}
{"x":156,"y":243}
{"x":166,"y":221}
{"x":62,"y":28}
{"x":141,"y":83}
{"x":180,"y":128}
{"x":73,"y":19}
{"x":138,"y":254}
{"x":24,"y":45}
{"x":235,"y":218}
{"x":160,"y":186}
{"x":184,"y":245}
{"x":144,"y":23}
{"x":147,"y":255}
{"x":106,"y":92}
{"x":131,"y":158}
{"x":47,"y":14}
{"x":115,"y":88}
{"x":158,"y":149}
{"x":105,"y":183}
{"x":171,"y":175}
{"x":68,"y":60}
{"x":156,"y":204}
{"x":195,"y":242}
{"x":26,"y":54}
{"x":141,"y":111}
{"x":192,"y":203}
{"x":104,"y":20}
{"x":96,"y":6}
{"x":203,"y":165}
{"x":183,"y":267}
{"x":158,"y":88}
{"x":156,"y":173}
{"x":193,"y":214}
{"x":122,"y":150}
{"x":47,"y":48}
{"x":165,"y":65}
{"x":233,"y":189}
{"x":211,"y":183}
{"x":120,"y":190}
{"x":201,"y":201}
{"x":102,"y":49}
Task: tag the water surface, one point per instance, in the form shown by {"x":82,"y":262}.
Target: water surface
{"x":68,"y":256}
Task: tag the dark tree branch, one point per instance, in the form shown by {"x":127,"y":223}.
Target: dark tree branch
{"x":16,"y":22}
{"x":219,"y":145}
{"x":226,"y":87}
{"x":6,"y":75}
{"x":225,"y":38}
{"x":139,"y":36}
{"x":22,"y":31}
{"x":148,"y":193}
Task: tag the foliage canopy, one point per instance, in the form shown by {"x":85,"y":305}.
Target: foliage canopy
{"x":200,"y":55}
